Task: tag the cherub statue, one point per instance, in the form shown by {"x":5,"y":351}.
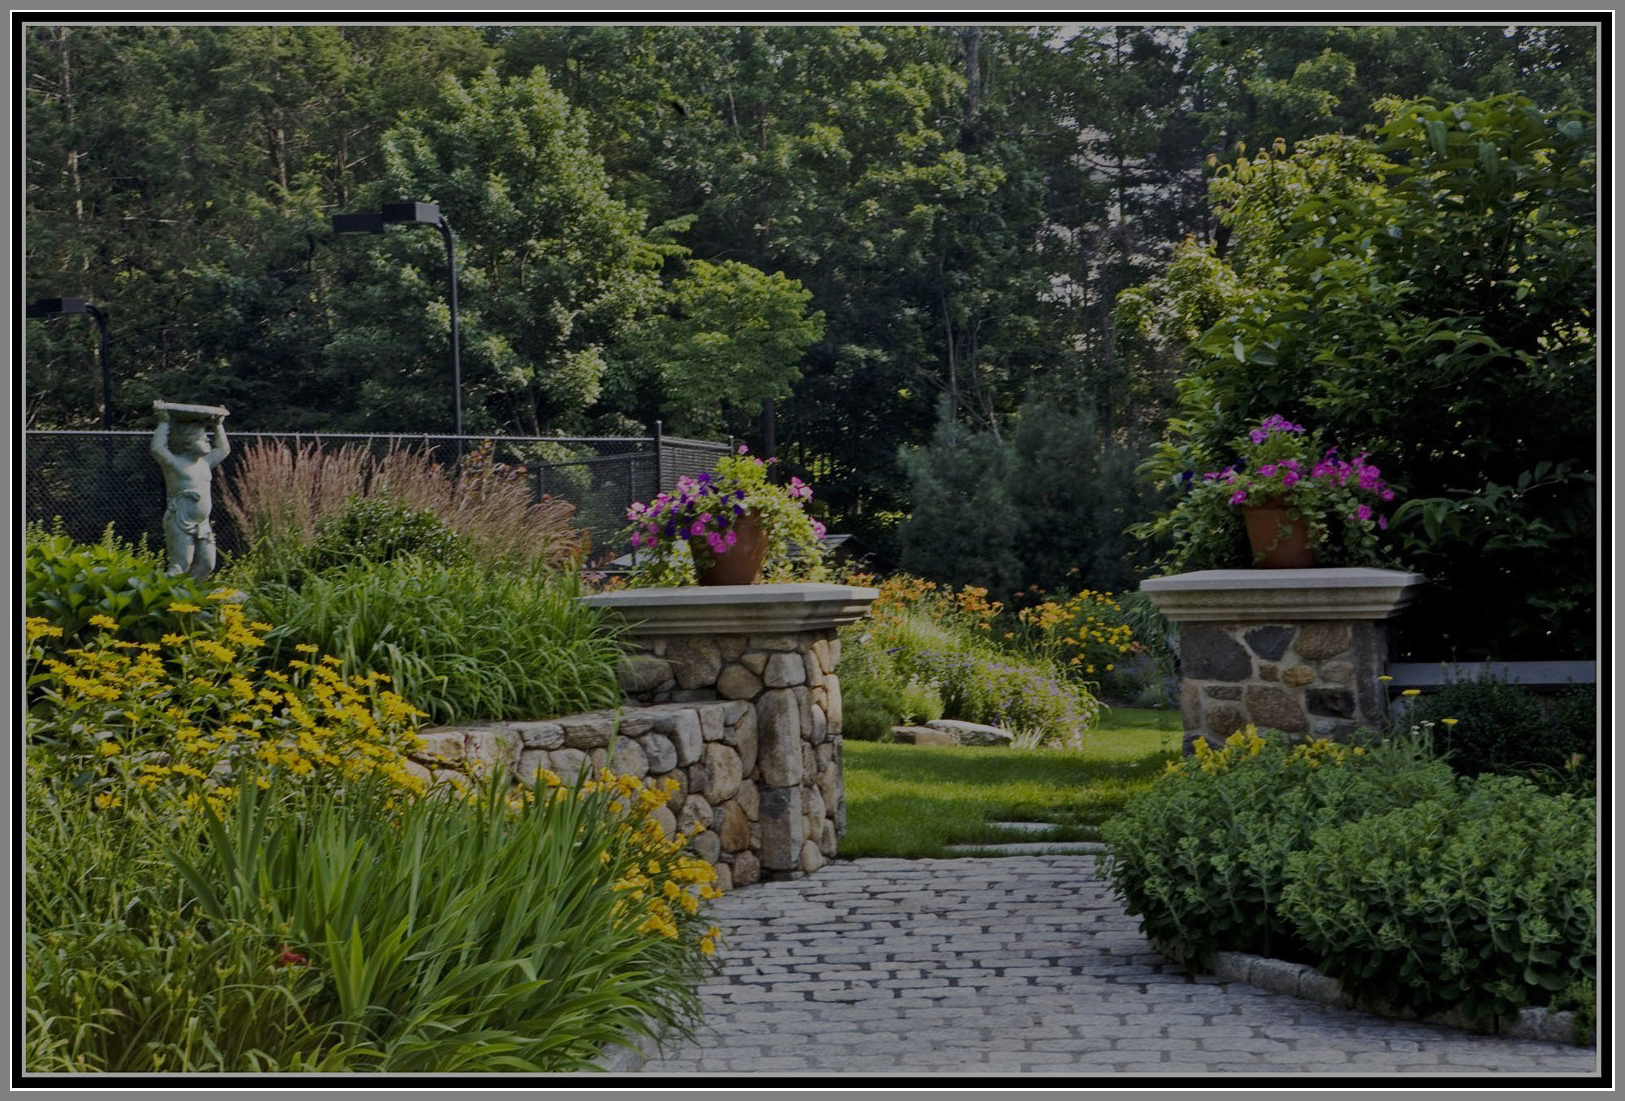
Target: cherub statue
{"x":181,"y":445}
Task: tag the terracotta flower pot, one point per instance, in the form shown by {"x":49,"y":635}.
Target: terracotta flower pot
{"x":1273,"y":550}
{"x":740,"y":564}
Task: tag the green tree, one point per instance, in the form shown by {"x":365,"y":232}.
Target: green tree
{"x":1429,"y":296}
{"x":731,"y":337}
{"x":550,"y":266}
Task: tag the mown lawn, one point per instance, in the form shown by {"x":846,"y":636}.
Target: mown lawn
{"x":914,"y":801}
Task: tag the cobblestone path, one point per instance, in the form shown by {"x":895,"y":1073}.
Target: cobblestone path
{"x":1020,"y":965}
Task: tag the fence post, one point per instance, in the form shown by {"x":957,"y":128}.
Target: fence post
{"x":660,"y":458}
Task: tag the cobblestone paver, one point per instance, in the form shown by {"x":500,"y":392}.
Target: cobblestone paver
{"x":1020,"y":965}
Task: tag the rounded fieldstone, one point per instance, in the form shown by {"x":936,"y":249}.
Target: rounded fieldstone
{"x":772,"y":642}
{"x":666,"y":819}
{"x":722,"y":772}
{"x":686,"y":736}
{"x":1224,"y":692}
{"x":746,"y":869}
{"x":815,"y":671}
{"x":588,"y":731}
{"x":568,"y":763}
{"x":629,"y":759}
{"x":539,"y":735}
{"x":1269,"y":672}
{"x":755,"y":661}
{"x":640,"y":673}
{"x":695,"y":662}
{"x":811,"y":858}
{"x":778,"y":725}
{"x":708,"y":847}
{"x":820,"y":725}
{"x":696,"y":812}
{"x":784,"y":671}
{"x":832,"y":704}
{"x":1319,"y":641}
{"x":724,"y":881}
{"x":713,"y":723}
{"x":743,"y":735}
{"x":827,"y":841}
{"x":813,"y":800}
{"x":738,"y":683}
{"x":1297,"y":676}
{"x":661,"y":753}
{"x":731,"y":646}
{"x":1276,"y":708}
{"x":1337,"y":672}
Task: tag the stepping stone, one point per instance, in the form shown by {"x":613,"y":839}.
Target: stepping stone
{"x":1033,"y":848}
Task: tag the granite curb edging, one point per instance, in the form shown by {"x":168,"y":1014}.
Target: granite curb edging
{"x":1302,"y":981}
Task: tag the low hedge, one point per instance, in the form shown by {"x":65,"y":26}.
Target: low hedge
{"x":1483,"y":899}
{"x":1375,"y":863}
{"x":1201,"y":857}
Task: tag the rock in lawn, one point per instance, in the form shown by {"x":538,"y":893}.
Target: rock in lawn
{"x":921,"y":735}
{"x":971,"y":733}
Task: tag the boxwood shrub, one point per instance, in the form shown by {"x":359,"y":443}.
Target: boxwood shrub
{"x":1482,"y":898}
{"x":1201,"y":857}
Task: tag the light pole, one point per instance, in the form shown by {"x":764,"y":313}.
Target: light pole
{"x":47,"y":308}
{"x":427,"y":214}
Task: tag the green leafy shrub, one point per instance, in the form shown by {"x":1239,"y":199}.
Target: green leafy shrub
{"x":463,"y":641}
{"x":1500,"y":727}
{"x":1201,"y":857}
{"x":67,"y":583}
{"x":379,"y":529}
{"x":1483,"y":899}
{"x":871,"y":706}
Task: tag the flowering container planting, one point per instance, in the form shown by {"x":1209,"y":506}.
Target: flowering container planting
{"x":1279,"y":535}
{"x":741,"y":562}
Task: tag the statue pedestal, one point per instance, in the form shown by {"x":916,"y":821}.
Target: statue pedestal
{"x":1297,"y":651}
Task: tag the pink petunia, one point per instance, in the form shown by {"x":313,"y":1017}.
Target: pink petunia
{"x":1363,"y":512}
{"x":1238,"y":496}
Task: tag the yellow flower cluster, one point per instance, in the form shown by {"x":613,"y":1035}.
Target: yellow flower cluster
{"x":1085,"y":631}
{"x":191,"y":717}
{"x":1248,"y":742}
{"x":659,"y":882}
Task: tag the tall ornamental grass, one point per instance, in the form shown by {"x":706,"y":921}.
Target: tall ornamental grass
{"x":462,"y":641}
{"x":283,"y":498}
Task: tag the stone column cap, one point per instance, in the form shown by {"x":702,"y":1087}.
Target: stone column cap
{"x":1275,"y":596}
{"x":736,"y":609}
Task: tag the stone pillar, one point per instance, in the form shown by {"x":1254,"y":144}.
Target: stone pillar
{"x":1297,"y":651}
{"x":769,"y":777}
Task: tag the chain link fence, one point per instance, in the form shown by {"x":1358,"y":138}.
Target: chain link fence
{"x":89,"y":480}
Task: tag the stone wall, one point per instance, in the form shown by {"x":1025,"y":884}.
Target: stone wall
{"x":1298,"y":678}
{"x":746,"y":721}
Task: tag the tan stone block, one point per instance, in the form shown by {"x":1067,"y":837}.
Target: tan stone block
{"x":1269,"y":672}
{"x":725,"y":879}
{"x":834,"y":655}
{"x":441,"y":744}
{"x":832,"y":705}
{"x":778,"y":728}
{"x":722,"y":773}
{"x":813,"y":800}
{"x":666,"y":819}
{"x":735,"y":829}
{"x":749,"y":799}
{"x":1297,"y":676}
{"x":814,"y":671}
{"x":755,"y":661}
{"x":713,"y":722}
{"x":731,"y":646}
{"x":820,"y":653}
{"x":820,"y":726}
{"x":827,"y":841}
{"x":640,"y":674}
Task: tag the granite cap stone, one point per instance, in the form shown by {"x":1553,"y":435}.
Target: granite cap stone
{"x":1279,"y":596}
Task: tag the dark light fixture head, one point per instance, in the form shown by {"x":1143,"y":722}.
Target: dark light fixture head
{"x":51,"y":307}
{"x":368,"y":221}
{"x":426,"y":213}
